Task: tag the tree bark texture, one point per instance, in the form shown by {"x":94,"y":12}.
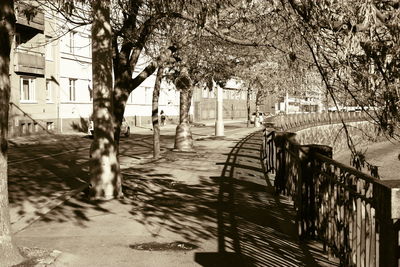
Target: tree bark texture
{"x":183,"y":135}
{"x":120,"y":97}
{"x":9,"y":253}
{"x":155,"y":115}
{"x":105,"y":175}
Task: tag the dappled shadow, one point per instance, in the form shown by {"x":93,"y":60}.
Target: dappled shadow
{"x":235,"y":210}
{"x":142,"y":145}
{"x":154,"y":200}
{"x":41,"y":172}
{"x":187,"y":210}
{"x":38,"y":174}
{"x":255,"y":227}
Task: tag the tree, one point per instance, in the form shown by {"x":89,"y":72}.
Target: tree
{"x":201,"y":61}
{"x":8,"y":250}
{"x":355,"y":45}
{"x":183,"y":135}
{"x":135,"y":26}
{"x":154,"y":114}
{"x":105,"y":177}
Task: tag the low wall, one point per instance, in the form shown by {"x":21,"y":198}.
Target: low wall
{"x":295,"y":122}
{"x":334,"y":135}
{"x":327,"y":128}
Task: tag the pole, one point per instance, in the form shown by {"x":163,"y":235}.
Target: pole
{"x":219,"y":122}
{"x":287,"y":102}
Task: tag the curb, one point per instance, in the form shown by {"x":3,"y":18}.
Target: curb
{"x":44,"y":138}
{"x":35,"y":215}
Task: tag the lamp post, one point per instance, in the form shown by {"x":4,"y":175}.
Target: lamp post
{"x":219,"y":119}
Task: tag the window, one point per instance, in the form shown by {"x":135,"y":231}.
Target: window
{"x":72,"y":90}
{"x":49,"y":93}
{"x":27,"y":89}
{"x":49,"y":49}
{"x":72,"y":36}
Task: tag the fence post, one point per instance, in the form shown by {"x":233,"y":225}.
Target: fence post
{"x":387,"y":197}
{"x":280,"y":140}
{"x":308,"y":209}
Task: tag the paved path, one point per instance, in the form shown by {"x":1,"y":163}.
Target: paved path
{"x":210,"y":208}
{"x":43,"y":170}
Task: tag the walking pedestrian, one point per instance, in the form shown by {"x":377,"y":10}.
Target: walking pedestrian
{"x":163,"y":118}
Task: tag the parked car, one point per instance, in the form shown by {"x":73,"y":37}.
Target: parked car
{"x":261,"y":117}
{"x":125,"y":129}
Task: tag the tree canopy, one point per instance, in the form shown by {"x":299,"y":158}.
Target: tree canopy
{"x":355,"y":45}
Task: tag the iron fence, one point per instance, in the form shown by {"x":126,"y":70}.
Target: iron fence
{"x":354,"y":215}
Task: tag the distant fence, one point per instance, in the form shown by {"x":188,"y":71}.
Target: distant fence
{"x":305,"y":120}
{"x":355,"y":215}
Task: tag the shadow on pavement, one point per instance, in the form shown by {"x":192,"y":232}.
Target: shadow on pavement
{"x":40,"y":173}
{"x":176,"y":199}
{"x":255,"y":227}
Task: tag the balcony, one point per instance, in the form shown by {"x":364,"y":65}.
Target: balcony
{"x":29,"y":62}
{"x":35,"y":22}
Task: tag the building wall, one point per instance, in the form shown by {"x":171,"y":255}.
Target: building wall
{"x":65,"y":51}
{"x":234,"y":103}
{"x":75,"y":78}
{"x":36,"y":113}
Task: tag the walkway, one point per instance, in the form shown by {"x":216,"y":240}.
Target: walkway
{"x":184,"y":210}
{"x":255,"y":227}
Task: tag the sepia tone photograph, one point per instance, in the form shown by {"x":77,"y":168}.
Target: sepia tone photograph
{"x":199,"y":133}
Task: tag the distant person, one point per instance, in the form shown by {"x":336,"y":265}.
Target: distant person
{"x":163,"y":118}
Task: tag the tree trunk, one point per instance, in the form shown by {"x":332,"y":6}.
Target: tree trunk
{"x":9,"y":254}
{"x":120,"y":98}
{"x":183,"y":136}
{"x":257,"y":122}
{"x":105,"y":176}
{"x":248,"y":107}
{"x":257,"y":117}
{"x":155,"y":120}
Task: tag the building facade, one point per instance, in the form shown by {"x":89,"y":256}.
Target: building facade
{"x":31,"y":109}
{"x":51,"y":72}
{"x":234,"y":102}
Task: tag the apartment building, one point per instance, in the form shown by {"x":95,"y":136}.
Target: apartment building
{"x":308,"y":98}
{"x":139,"y":106}
{"x":51,"y":78}
{"x":31,"y":109}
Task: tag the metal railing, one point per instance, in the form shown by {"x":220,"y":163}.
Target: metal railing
{"x":354,"y":215}
{"x":305,"y":120}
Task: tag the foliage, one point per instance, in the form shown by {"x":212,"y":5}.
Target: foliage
{"x":355,"y":45}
